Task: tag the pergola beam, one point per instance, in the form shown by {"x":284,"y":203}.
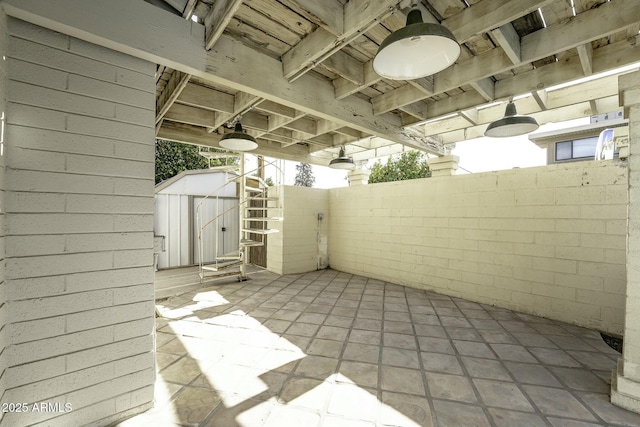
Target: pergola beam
{"x":589,"y":25}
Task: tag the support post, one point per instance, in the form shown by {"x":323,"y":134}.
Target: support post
{"x":625,"y":385}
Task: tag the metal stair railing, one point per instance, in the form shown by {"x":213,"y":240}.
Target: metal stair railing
{"x":226,"y":260}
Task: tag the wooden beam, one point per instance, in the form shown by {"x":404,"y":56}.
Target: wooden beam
{"x":345,"y":66}
{"x":328,"y":13}
{"x":191,"y":115}
{"x":204,"y":97}
{"x":344,"y":87}
{"x":218,"y":18}
{"x":172,"y":90}
{"x":470,"y":115}
{"x":305,"y":125}
{"x":424,"y":84}
{"x":188,"y":9}
{"x":585,"y":52}
{"x":143,"y":30}
{"x":535,"y":46}
{"x":471,"y":70}
{"x":486,"y":15}
{"x":509,"y":41}
{"x":541,"y":98}
{"x":357,"y":15}
{"x":605,"y":58}
{"x":485,"y":87}
{"x":198,"y":136}
{"x":590,"y":25}
{"x":147,"y":32}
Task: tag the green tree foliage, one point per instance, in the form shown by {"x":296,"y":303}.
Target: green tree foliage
{"x":174,"y":157}
{"x":410,"y":165}
{"x":269,"y":182}
{"x":304,"y":175}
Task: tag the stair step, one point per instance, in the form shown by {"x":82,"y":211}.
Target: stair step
{"x":253,"y":189}
{"x":261,"y":231}
{"x":248,"y":242}
{"x":228,"y":258}
{"x":253,"y":208}
{"x":220,"y":266}
{"x":264,"y":219}
{"x":263,"y":198}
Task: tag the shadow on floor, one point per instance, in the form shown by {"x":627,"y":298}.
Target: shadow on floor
{"x":331,"y":349}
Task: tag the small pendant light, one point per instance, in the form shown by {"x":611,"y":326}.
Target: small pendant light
{"x":342,"y":161}
{"x":238,"y":140}
{"x":511,"y":124}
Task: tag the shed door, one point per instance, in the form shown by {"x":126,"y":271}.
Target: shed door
{"x":226,"y":228}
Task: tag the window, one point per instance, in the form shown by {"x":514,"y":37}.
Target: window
{"x":576,"y":149}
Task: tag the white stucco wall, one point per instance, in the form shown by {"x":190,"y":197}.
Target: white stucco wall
{"x":548,"y":241}
{"x":79,"y":224}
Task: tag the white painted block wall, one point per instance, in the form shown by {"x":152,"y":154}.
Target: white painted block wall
{"x":302,"y":244}
{"x":548,"y":241}
{"x":79,"y":225}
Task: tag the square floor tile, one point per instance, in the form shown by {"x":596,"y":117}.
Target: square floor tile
{"x":328,"y":348}
{"x":438,"y":345}
{"x":502,"y":394}
{"x":365,"y":337}
{"x":515,"y":353}
{"x":451,"y":414}
{"x":333,"y":333}
{"x":532,"y":374}
{"x":402,"y":380}
{"x":474,"y":349}
{"x":580,"y":379}
{"x":505,"y":418}
{"x":439,"y":362}
{"x":405,"y":410}
{"x":450,"y":387}
{"x":400,"y":357}
{"x":392,"y":339}
{"x":351,"y":401}
{"x":484,"y":368}
{"x":554,"y":357}
{"x":362,"y":352}
{"x":362,"y":374}
{"x":553,"y":401}
{"x":317,"y":367}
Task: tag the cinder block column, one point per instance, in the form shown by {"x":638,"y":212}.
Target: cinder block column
{"x":359,"y":176}
{"x":444,"y":165}
{"x":626,"y":379}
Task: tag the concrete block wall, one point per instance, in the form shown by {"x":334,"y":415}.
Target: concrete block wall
{"x":302,"y":244}
{"x":79,"y":230}
{"x":3,"y":288}
{"x":548,"y":241}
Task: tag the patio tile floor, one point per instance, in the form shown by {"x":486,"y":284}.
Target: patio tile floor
{"x":330,"y":349}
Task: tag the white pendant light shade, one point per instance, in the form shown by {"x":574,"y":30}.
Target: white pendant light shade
{"x":511,"y":124}
{"x":418,"y":50}
{"x":342,"y":162}
{"x":238,"y":140}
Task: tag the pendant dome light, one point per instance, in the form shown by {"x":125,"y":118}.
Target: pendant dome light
{"x":342,"y":161}
{"x":511,"y":124}
{"x":238,"y":140}
{"x":417,"y":50}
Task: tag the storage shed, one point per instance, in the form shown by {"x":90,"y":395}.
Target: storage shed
{"x":177,"y":203}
